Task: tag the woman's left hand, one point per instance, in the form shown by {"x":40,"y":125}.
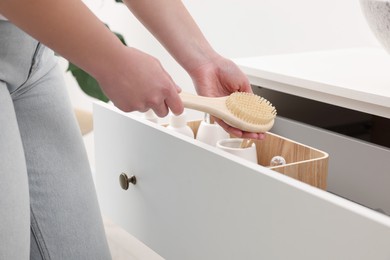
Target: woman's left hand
{"x":218,"y":78}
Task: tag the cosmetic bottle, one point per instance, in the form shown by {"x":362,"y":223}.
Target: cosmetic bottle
{"x":179,"y":124}
{"x":210,"y":132}
{"x":151,"y":116}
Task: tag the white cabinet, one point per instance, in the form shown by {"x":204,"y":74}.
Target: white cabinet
{"x":192,"y":201}
{"x":334,"y":87}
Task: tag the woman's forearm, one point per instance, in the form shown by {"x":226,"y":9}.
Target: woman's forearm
{"x":124,"y":74}
{"x":73,"y":31}
{"x":170,"y":22}
{"x":66,"y":26}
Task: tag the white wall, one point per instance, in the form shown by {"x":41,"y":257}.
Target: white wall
{"x":243,"y":28}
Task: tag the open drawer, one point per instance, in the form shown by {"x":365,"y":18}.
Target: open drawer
{"x":192,"y":201}
{"x":303,"y":163}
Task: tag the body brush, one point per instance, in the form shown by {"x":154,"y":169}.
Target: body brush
{"x":242,"y":110}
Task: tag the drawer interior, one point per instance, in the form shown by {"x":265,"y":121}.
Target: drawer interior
{"x":303,"y":162}
{"x":358,"y":145}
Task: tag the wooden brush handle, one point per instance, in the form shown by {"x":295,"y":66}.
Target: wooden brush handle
{"x":206,"y":104}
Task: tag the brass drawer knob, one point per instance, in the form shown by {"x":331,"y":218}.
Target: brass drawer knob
{"x":125,"y":181}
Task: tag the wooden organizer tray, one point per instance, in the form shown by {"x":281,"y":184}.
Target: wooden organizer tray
{"x":303,"y":163}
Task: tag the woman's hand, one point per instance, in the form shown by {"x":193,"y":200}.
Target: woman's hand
{"x":221,"y":77}
{"x":136,"y":81}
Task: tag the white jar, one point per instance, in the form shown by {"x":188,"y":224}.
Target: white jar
{"x":233,"y":146}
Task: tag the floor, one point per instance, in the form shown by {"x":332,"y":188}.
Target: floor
{"x":124,"y":246}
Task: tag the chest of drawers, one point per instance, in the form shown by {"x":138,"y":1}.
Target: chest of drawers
{"x":192,"y":201}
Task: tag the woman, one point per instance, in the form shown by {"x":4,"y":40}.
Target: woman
{"x":45,"y":180}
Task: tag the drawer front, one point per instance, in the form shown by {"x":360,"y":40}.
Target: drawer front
{"x":358,"y":171}
{"x":192,"y":201}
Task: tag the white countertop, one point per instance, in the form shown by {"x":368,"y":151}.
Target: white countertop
{"x":358,"y":79}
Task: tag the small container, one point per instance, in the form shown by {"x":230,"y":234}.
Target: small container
{"x":210,"y":133}
{"x":179,"y":124}
{"x":233,"y":146}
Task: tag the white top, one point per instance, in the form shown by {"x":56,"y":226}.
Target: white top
{"x":2,"y":17}
{"x":358,"y":78}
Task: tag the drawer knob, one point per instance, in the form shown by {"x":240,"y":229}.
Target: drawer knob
{"x":125,"y":181}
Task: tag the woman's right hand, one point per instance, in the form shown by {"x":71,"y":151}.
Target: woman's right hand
{"x":136,"y":81}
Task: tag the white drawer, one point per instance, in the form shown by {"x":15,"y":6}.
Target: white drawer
{"x":192,"y":201}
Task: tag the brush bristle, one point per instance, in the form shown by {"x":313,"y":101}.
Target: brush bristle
{"x":251,"y":108}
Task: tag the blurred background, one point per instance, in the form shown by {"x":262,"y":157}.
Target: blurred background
{"x":240,"y":29}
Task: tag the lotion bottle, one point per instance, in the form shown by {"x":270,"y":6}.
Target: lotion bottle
{"x":179,"y":124}
{"x":151,"y":116}
{"x":210,"y":132}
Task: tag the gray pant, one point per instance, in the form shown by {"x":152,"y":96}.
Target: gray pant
{"x":48,"y":204}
